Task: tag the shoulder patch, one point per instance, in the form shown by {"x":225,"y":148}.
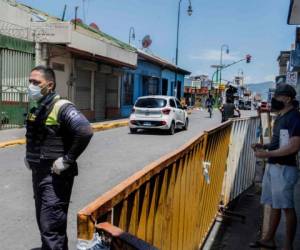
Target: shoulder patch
{"x":74,"y":113}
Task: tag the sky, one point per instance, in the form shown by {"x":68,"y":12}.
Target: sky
{"x":256,"y":27}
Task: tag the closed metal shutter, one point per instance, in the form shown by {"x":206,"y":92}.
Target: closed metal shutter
{"x":15,"y":67}
{"x":112,"y":92}
{"x":100,"y":88}
{"x":83,"y":89}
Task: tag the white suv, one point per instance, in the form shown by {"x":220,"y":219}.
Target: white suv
{"x":158,"y":112}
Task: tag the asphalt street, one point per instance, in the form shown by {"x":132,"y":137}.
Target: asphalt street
{"x":112,"y":156}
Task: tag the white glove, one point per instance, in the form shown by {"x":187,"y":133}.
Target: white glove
{"x":59,"y":166}
{"x":27,"y":164}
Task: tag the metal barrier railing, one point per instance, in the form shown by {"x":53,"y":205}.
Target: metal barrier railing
{"x":171,"y":203}
{"x":241,"y":161}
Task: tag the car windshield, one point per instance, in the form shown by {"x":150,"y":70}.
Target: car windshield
{"x":151,"y":103}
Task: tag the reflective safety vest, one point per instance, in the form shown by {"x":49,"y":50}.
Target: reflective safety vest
{"x":46,"y":138}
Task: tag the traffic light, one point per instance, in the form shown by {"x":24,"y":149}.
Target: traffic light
{"x":248,"y":58}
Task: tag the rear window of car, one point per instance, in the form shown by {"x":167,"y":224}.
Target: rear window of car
{"x":151,"y":103}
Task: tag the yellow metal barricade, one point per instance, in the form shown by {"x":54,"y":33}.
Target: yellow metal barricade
{"x":171,"y":203}
{"x":241,"y":162}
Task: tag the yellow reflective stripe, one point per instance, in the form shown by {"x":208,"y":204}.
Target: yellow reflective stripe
{"x":52,"y":117}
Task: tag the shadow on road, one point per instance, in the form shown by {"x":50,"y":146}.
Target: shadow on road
{"x":157,"y":132}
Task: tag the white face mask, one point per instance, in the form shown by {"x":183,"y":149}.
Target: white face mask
{"x":34,"y":92}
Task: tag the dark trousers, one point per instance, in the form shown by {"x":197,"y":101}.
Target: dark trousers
{"x":52,"y":197}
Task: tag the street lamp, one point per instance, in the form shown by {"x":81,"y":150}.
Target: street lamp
{"x":131,"y":34}
{"x":190,"y":12}
{"x":224,"y":46}
{"x":217,"y":67}
{"x":241,"y":76}
{"x":240,"y":72}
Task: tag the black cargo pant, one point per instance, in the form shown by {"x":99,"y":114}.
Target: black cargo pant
{"x":52,"y":197}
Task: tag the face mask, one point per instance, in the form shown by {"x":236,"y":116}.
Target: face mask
{"x":277,"y":105}
{"x":34,"y":92}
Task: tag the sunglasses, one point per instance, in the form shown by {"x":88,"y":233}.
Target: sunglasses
{"x":34,"y":82}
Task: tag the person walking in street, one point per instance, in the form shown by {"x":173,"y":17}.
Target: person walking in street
{"x":56,"y":133}
{"x":228,"y":109}
{"x":209,"y":104}
{"x":281,"y":172}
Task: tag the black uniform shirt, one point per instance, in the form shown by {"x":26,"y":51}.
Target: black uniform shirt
{"x":78,"y":129}
{"x":289,"y":121}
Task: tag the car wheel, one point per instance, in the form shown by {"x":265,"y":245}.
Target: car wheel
{"x":186,"y":125}
{"x":172,"y":129}
{"x":133,"y":130}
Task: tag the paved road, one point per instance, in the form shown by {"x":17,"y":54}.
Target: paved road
{"x":111,"y":157}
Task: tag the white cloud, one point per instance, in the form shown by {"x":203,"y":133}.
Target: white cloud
{"x":269,"y":78}
{"x":199,"y":72}
{"x":214,"y":55}
{"x":254,"y":79}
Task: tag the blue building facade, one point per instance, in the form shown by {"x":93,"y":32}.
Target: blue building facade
{"x":153,"y":76}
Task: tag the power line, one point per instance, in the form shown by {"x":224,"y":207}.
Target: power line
{"x":84,"y":11}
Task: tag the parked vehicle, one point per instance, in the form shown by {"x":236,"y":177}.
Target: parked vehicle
{"x":158,"y":112}
{"x":264,"y":107}
{"x":244,"y":105}
{"x":241,"y":105}
{"x":248,"y":105}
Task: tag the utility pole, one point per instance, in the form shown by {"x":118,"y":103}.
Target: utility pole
{"x":190,"y":12}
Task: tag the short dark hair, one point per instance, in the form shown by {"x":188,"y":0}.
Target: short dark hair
{"x":48,"y":73}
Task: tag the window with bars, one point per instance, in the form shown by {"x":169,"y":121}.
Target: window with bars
{"x":128,"y":88}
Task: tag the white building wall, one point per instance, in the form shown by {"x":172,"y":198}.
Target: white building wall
{"x":14,"y":22}
{"x":58,"y":57}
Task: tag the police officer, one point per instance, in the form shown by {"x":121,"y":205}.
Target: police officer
{"x":57,"y":133}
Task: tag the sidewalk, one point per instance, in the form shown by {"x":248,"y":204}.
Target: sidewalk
{"x":12,"y":137}
{"x":231,"y":234}
{"x":280,"y":235}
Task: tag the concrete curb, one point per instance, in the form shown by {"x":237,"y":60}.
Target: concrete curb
{"x":96,"y":128}
{"x":12,"y":143}
{"x":106,"y":126}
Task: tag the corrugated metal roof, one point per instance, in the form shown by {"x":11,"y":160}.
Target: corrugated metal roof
{"x":162,"y":62}
{"x":107,"y":38}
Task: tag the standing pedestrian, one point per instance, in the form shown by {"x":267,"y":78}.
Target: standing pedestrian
{"x":228,"y":109}
{"x":281,"y":172}
{"x":209,"y":104}
{"x":57,"y":133}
